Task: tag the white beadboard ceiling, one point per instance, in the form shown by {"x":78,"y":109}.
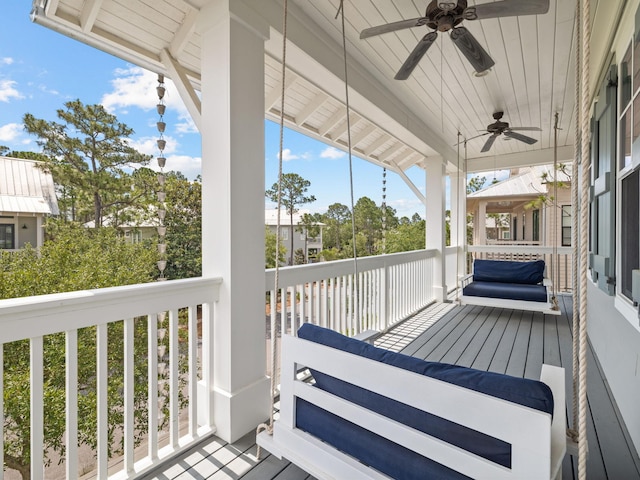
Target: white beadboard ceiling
{"x":531,"y":81}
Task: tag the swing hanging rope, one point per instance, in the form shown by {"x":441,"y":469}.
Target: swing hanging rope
{"x":584,"y":231}
{"x":356,"y":276}
{"x":275,"y":360}
{"x":273,"y":343}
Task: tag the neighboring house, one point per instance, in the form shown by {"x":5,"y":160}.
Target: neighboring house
{"x":135,"y":224}
{"x":505,"y":206}
{"x":27,"y":197}
{"x":311,"y":246}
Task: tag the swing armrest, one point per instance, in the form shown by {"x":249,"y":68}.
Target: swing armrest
{"x":466,"y":280}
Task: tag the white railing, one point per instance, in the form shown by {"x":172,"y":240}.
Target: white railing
{"x":559,"y":266}
{"x":160,"y":319}
{"x":387,"y":289}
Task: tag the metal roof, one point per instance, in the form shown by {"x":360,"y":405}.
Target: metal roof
{"x":26,"y":188}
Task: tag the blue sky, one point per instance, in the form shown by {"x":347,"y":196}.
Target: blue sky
{"x":41,"y":69}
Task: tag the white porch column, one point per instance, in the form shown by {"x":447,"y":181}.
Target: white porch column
{"x":39,"y":230}
{"x":435,"y":223}
{"x":233,"y":210}
{"x":458,"y":226}
{"x":481,"y":224}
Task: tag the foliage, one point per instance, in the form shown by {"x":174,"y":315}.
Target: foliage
{"x":292,"y":194}
{"x":408,"y":235}
{"x":476,"y":183}
{"x":337,"y":218}
{"x":184,"y":227}
{"x":547,"y":199}
{"x":75,"y":258}
{"x":88,"y":153}
{"x":270,"y":249}
{"x":309,"y":225}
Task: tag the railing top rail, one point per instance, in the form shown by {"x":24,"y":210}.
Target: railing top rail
{"x":27,"y":317}
{"x":518,"y":249}
{"x":295,"y":275}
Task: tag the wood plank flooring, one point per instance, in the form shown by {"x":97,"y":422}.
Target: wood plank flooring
{"x":505,"y":341}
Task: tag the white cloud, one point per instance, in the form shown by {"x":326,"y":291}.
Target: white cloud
{"x":287,"y":155}
{"x":332,"y":153}
{"x":10,"y":132}
{"x":149,"y":145}
{"x":8,"y":91}
{"x":136,"y":87}
{"x":7,"y":60}
{"x":406,"y":207}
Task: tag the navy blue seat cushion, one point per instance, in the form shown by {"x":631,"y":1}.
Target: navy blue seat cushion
{"x":502,"y":271}
{"x":526,"y":392}
{"x":371,"y":449}
{"x":510,"y":291}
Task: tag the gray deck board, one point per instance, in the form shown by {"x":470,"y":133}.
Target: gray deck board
{"x":506,"y":341}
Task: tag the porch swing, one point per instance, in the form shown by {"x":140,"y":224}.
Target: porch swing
{"x":360,"y":421}
{"x":512,"y":284}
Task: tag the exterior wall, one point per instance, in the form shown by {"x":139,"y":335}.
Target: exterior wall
{"x":615,"y":341}
{"x":613,"y":326}
{"x":298,"y":240}
{"x":22,"y":236}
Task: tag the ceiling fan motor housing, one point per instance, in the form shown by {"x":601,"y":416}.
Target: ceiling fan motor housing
{"x":444,"y":20}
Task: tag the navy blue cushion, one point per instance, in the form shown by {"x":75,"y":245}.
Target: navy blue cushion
{"x":510,"y":291}
{"x":502,"y":271}
{"x":371,"y":449}
{"x":523,"y":391}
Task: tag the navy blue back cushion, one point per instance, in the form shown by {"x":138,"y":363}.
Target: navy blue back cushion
{"x":510,"y":291}
{"x":526,"y":392}
{"x":503,"y":271}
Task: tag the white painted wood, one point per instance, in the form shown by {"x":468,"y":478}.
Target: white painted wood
{"x":2,"y":410}
{"x":310,"y":108}
{"x":174,"y":379}
{"x":193,"y":370}
{"x":89,"y":13}
{"x":531,"y":452}
{"x":434,"y":217}
{"x":186,"y":91}
{"x":129,"y":388}
{"x":233,"y":99}
{"x":36,"y":376}
{"x":184,"y":33}
{"x":71,"y":404}
{"x":19,"y":317}
{"x":102,"y":378}
{"x":152,"y":373}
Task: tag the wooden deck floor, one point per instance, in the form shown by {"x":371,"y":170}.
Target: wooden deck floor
{"x":505,"y":341}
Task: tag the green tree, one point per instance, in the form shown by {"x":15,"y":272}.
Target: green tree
{"x":408,"y":235}
{"x":309,"y":226}
{"x":270,"y":249}
{"x":89,"y":152}
{"x":184,"y":226}
{"x":476,"y":183}
{"x":293,"y":193}
{"x":368,"y":220}
{"x":75,"y":258}
{"x":336,"y":218}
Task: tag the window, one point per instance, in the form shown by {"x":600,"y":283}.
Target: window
{"x":506,"y":235}
{"x":603,"y":183}
{"x":535,"y":219}
{"x":629,"y":230}
{"x":7,"y":240}
{"x":284,"y":233}
{"x":515,"y":228}
{"x":566,"y":225}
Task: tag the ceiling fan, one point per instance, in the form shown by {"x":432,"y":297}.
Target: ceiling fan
{"x":498,"y":128}
{"x":446,"y":15}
